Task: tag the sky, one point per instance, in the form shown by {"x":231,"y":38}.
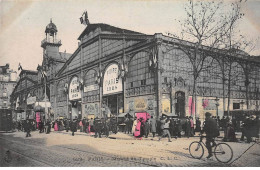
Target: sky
{"x":22,"y":23}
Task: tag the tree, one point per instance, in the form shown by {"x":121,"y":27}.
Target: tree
{"x":235,"y":44}
{"x":205,"y":25}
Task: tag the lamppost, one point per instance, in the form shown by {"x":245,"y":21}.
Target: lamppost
{"x":217,"y":104}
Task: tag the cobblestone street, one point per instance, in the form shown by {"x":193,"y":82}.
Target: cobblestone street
{"x":62,"y":149}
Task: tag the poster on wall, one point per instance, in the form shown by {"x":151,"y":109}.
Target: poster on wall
{"x":166,"y":106}
{"x":74,"y":90}
{"x":112,"y":82}
{"x":91,"y":109}
{"x":191,"y":107}
{"x":140,"y":104}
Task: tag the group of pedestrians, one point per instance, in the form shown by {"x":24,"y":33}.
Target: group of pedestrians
{"x":250,"y":128}
{"x":28,"y":125}
{"x":166,"y":127}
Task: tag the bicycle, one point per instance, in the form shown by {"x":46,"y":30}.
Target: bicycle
{"x":222,"y":151}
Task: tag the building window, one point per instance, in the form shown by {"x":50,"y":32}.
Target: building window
{"x":132,"y":84}
{"x":165,"y":80}
{"x":236,"y":106}
{"x":143,"y":82}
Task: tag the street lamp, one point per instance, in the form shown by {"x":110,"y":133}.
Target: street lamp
{"x":217,"y":104}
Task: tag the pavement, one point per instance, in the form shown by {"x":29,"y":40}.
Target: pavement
{"x":118,"y":150}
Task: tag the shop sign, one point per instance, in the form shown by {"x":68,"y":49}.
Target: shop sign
{"x":112,"y":82}
{"x":31,"y":100}
{"x":91,"y":88}
{"x":140,"y":104}
{"x":74,"y":90}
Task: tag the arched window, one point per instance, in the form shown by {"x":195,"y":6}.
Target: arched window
{"x":139,"y":73}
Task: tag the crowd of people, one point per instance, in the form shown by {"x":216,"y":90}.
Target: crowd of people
{"x":167,"y":126}
{"x":162,"y":127}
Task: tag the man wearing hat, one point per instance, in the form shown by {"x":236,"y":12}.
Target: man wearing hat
{"x":211,"y":130}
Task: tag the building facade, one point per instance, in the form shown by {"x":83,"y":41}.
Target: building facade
{"x":8,"y":80}
{"x":116,"y":71}
{"x":32,"y":93}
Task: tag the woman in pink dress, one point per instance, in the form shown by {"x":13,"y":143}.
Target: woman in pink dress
{"x":56,"y":126}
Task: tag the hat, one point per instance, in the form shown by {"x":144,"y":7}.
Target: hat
{"x":207,"y":114}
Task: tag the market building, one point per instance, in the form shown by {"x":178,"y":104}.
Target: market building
{"x":115,"y":71}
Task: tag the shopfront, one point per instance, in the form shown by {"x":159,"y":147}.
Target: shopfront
{"x":75,"y":98}
{"x":113,"y":99}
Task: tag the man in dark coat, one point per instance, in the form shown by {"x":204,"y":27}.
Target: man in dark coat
{"x":178,"y":127}
{"x":198,"y":125}
{"x":147,"y":128}
{"x":84,"y":125}
{"x":74,"y":125}
{"x":126,"y":121}
{"x":48,"y":125}
{"x":187,"y":127}
{"x":41,"y":126}
{"x":27,"y":128}
{"x":211,"y":130}
{"x":97,"y":127}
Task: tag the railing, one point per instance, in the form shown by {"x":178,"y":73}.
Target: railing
{"x":50,"y":40}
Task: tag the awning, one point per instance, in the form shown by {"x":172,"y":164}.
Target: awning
{"x":169,"y":115}
{"x":42,"y":104}
{"x":124,"y":115}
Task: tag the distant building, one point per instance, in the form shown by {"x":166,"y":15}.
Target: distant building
{"x":7,"y":83}
{"x":28,"y":96}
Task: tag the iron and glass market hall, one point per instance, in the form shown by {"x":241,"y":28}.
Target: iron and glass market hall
{"x":115,"y":71}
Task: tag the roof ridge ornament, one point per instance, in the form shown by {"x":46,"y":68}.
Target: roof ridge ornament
{"x":84,"y":18}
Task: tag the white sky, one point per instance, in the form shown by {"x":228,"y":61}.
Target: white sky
{"x":22,"y":24}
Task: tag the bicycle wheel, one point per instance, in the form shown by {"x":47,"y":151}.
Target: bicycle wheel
{"x":196,"y":150}
{"x":223,"y":152}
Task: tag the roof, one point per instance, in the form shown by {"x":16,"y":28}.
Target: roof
{"x":51,"y":28}
{"x":105,"y":27}
{"x":64,"y":55}
{"x":29,"y":71}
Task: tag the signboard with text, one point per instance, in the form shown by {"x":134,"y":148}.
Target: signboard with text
{"x":31,"y":100}
{"x":112,"y":82}
{"x":91,"y":88}
{"x":74,"y":90}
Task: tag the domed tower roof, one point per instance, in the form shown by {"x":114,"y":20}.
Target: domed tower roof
{"x":51,"y":28}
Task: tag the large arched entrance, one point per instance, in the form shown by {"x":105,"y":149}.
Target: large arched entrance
{"x":75,"y":98}
{"x":112,"y":102}
{"x":180,"y":103}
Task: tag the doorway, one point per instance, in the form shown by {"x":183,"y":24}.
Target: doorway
{"x":180,"y":104}
{"x":75,"y":110}
{"x":113,"y":104}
